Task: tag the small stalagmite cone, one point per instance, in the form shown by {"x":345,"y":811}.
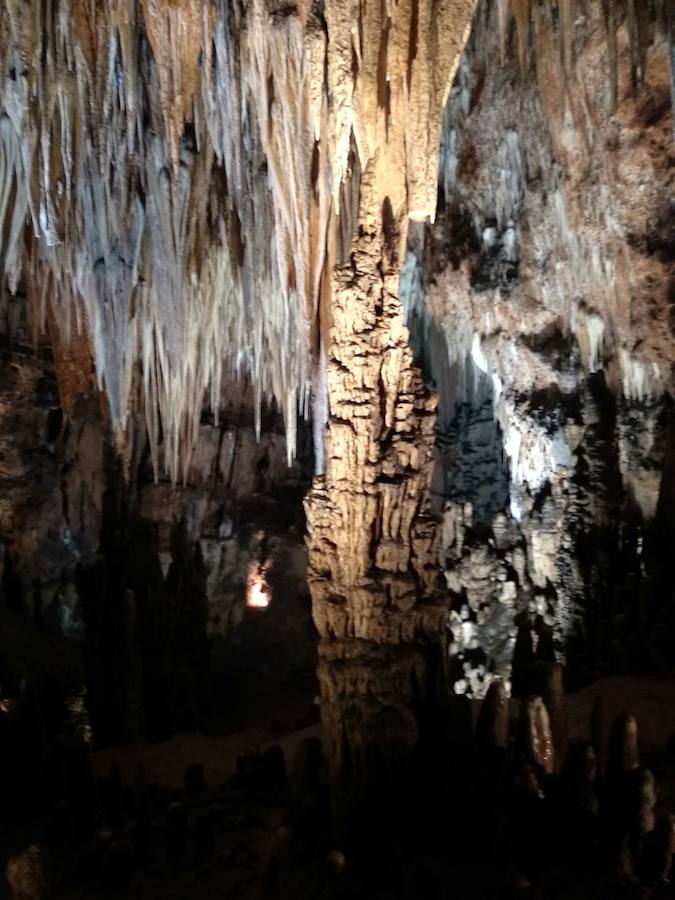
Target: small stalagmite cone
{"x":492,"y":728}
{"x":630,"y":818}
{"x":657,"y":859}
{"x":536,"y":740}
{"x":636,"y":810}
{"x":646,"y":800}
{"x":26,"y":875}
{"x":624,"y":755}
{"x":579,"y":777}
{"x":336,"y":862}
{"x":623,"y":786}
{"x":547,"y":680}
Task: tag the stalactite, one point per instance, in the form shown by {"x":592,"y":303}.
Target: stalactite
{"x":218,"y":200}
{"x":669,"y":29}
{"x":611,"y":25}
{"x":521,"y":12}
{"x":568,"y":13}
{"x":634,"y":37}
{"x":134,"y":229}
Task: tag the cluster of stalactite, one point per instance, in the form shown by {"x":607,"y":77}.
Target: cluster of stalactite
{"x":169,"y":172}
{"x":165,"y":159}
{"x":176,"y":166}
{"x":543,"y":25}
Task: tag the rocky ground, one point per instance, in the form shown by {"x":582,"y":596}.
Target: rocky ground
{"x":246,"y":816}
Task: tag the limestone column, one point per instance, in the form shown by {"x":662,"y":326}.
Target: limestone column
{"x":373,"y":569}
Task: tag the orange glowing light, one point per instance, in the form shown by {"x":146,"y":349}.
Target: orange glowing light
{"x":258,"y":593}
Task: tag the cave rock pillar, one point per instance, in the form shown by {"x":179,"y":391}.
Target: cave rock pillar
{"x":373,"y":559}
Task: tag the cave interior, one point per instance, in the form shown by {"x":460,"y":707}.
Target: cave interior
{"x":337,"y":449}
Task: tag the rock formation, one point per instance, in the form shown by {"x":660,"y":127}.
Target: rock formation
{"x":539,"y":304}
{"x":199,"y":195}
{"x":228,"y":187}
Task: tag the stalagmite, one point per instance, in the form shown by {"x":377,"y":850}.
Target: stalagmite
{"x":630,"y":796}
{"x":535,"y":738}
{"x":27,"y":875}
{"x":546,"y":680}
{"x":656,"y":862}
{"x":492,"y":727}
{"x":579,"y":782}
{"x":624,"y":754}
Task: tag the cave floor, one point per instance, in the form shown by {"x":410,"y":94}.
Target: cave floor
{"x":247,"y":817}
{"x":165,"y":762}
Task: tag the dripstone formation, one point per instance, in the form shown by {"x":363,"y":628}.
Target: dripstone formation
{"x":413,"y":263}
{"x":214,"y":188}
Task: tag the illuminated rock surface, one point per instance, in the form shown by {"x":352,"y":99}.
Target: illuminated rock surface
{"x":422,"y":249}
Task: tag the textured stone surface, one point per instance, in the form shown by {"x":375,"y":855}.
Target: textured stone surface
{"x":373,"y":569}
{"x":538,"y":306}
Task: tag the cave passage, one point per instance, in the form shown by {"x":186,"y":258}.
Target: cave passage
{"x":337,"y":449}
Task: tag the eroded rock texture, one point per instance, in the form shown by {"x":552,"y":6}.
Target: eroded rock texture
{"x":372,"y":554}
{"x":373,"y":571}
{"x":540,"y":304}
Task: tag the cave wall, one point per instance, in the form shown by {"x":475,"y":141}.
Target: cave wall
{"x":540,"y":307}
{"x":118,"y":583}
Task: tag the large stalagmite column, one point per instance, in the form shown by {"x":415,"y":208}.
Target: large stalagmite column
{"x":372,"y":559}
{"x":373,"y":570}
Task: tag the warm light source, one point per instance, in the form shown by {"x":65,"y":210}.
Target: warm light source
{"x":258,"y":592}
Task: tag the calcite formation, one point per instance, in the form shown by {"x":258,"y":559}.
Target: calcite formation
{"x":181,"y":164}
{"x":540,"y":307}
{"x":192,"y":192}
{"x":204,"y":187}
